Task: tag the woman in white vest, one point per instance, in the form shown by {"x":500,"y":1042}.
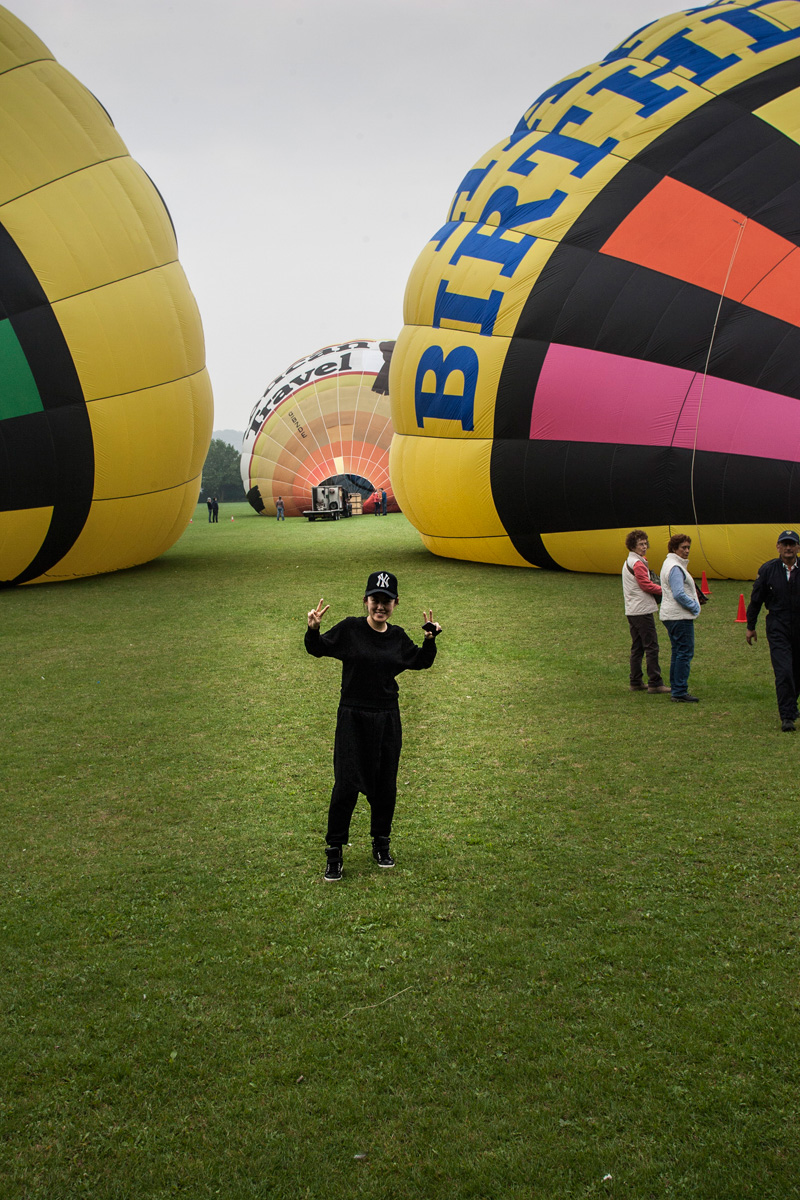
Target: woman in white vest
{"x":679,"y":610}
{"x":641,"y":595}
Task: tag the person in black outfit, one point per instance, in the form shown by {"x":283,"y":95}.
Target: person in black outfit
{"x":215,"y":511}
{"x":778,"y":586}
{"x":368,"y":739}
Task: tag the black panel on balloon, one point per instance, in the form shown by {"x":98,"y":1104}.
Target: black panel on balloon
{"x":602,"y":303}
{"x":559,"y":486}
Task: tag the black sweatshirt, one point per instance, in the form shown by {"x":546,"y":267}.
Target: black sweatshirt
{"x":781,"y":597}
{"x":370,"y":660}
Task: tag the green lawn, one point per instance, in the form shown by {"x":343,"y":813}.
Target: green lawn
{"x":580,"y":980}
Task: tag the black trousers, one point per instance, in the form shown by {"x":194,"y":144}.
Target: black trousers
{"x":784,"y":650}
{"x":366,"y":755}
{"x":644,"y":642}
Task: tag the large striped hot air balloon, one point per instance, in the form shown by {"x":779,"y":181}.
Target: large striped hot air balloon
{"x":105,"y":404}
{"x":604,"y":332}
{"x":325,"y":420}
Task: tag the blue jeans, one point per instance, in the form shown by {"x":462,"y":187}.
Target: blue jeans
{"x":681,"y":636}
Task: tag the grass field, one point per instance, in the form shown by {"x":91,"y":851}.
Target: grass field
{"x":581,"y":979}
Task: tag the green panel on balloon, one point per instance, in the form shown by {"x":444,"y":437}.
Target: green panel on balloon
{"x":18,"y":392}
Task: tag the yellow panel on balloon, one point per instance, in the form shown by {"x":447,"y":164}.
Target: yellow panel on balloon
{"x":53,"y":126}
{"x":119,"y":532}
{"x":92,"y":228}
{"x":21,"y":534}
{"x":741,"y":546}
{"x":134,"y":334}
{"x":132,"y":462}
{"x":463,"y":497}
{"x":497,"y":550}
{"x":18,"y":44}
{"x":784,"y":114}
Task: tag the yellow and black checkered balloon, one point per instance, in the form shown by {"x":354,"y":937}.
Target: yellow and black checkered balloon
{"x":105,"y":403}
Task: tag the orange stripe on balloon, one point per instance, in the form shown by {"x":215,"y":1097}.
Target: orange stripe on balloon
{"x":683,"y":233}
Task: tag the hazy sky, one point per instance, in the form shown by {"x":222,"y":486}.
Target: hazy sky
{"x":307,"y":149}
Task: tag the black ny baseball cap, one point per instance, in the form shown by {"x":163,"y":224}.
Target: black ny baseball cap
{"x":382,"y":581}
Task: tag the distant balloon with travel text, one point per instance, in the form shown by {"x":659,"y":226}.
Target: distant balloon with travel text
{"x":325,"y":420}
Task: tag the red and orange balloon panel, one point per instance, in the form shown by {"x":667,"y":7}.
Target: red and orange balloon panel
{"x":324,"y":420}
{"x":105,"y":403}
{"x":605,"y":332}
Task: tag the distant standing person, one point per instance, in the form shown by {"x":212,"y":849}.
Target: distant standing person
{"x":777,"y":585}
{"x":215,"y":511}
{"x":679,"y":610}
{"x":366,"y":751}
{"x":210,"y":504}
{"x":641,"y":595}
{"x":377,"y":503}
{"x":280,"y":510}
{"x":383,"y":501}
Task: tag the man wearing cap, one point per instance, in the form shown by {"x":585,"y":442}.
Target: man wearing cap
{"x":777,"y":585}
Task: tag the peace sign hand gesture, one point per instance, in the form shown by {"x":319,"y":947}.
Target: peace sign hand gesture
{"x":432,"y":628}
{"x":316,"y":614}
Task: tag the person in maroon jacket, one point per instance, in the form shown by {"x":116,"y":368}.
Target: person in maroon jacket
{"x":641,"y":593}
{"x":369,"y":735}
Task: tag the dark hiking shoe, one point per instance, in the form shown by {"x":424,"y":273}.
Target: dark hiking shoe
{"x":685,"y":699}
{"x":787,"y":726}
{"x":333,"y":872}
{"x":638,"y":687}
{"x":380,"y":852}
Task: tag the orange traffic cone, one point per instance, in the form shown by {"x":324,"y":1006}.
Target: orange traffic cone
{"x":741,"y":616}
{"x":704,"y":588}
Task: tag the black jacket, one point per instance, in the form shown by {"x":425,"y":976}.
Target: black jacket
{"x":370,"y":660}
{"x":781,"y":597}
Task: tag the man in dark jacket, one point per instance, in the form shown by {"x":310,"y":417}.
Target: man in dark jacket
{"x":778,"y":586}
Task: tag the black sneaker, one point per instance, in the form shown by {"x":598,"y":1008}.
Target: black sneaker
{"x":380,"y":852}
{"x":333,"y":872}
{"x":685,"y":699}
{"x":787,"y":727}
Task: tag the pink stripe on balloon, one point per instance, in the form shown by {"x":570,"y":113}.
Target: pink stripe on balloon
{"x":589,"y":396}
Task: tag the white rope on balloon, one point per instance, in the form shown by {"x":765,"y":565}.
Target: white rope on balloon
{"x":737,"y":244}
